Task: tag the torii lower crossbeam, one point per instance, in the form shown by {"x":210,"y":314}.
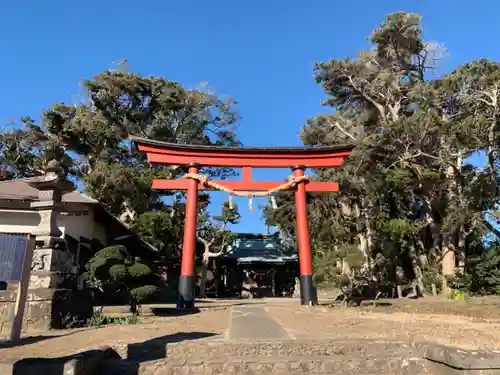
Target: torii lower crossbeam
{"x":193,"y":156}
{"x":318,"y":187}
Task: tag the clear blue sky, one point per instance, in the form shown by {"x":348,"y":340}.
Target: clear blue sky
{"x":259,"y":52}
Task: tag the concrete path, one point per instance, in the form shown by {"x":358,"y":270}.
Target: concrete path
{"x":253,"y":323}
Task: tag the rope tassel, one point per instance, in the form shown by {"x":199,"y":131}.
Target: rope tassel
{"x":231,"y":206}
{"x":250,"y":205}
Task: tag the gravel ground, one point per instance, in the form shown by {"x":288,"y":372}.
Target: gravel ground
{"x":473,"y":324}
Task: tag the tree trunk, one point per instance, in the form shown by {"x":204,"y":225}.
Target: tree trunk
{"x":364,"y":233}
{"x":345,"y":267}
{"x":203,"y":280}
{"x":461,"y":246}
{"x":417,"y":270}
{"x":448,"y":262}
{"x":205,"y":263}
{"x":435,"y":232}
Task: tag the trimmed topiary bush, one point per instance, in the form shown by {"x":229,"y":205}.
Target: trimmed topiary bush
{"x":113,"y":269}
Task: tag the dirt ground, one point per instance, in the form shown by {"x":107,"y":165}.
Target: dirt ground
{"x":62,"y":343}
{"x":467,"y":324}
{"x":473,"y":324}
{"x":485,"y":308}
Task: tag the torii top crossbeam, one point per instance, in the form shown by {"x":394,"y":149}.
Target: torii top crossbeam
{"x":245,"y":157}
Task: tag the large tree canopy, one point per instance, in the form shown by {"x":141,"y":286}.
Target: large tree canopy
{"x":411,"y":201}
{"x":413,"y":204}
{"x":91,"y":139}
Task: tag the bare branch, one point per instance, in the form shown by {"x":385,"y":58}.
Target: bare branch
{"x":337,"y":125}
{"x":490,"y":227}
{"x":376,"y":104}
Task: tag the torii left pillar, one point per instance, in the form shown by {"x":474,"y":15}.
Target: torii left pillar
{"x":187,"y":279}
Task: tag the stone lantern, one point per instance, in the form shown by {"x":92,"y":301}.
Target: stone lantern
{"x":51,"y":261}
{"x":52,"y":294}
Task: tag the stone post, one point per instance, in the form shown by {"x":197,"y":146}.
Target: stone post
{"x":52,"y":286}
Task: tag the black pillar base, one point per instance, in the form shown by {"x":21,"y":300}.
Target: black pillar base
{"x":308,"y":292}
{"x":185,"y":298}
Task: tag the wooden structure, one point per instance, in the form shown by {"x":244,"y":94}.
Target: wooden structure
{"x":196,"y":156}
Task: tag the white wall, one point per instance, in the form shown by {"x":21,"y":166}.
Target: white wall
{"x":14,"y":221}
{"x":76,"y":226}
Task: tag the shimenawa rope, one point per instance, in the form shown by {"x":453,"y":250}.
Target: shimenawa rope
{"x":291,"y":183}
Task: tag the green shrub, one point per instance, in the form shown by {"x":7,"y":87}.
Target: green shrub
{"x":99,"y":319}
{"x":139,"y":270}
{"x":319,"y":278}
{"x":118,"y":252}
{"x":481,"y":277}
{"x":114,"y":270}
{"x":342,"y":281}
{"x":430,"y":277}
{"x":458,"y":295}
{"x":462,"y":282}
{"x":118,"y":272}
{"x":144,"y":293}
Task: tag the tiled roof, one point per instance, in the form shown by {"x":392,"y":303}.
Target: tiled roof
{"x":21,"y":190}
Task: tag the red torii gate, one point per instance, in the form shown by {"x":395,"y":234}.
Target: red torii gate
{"x":196,"y":156}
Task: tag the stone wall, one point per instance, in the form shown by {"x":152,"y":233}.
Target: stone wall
{"x":7,"y":301}
{"x":207,"y":357}
{"x":46,"y":309}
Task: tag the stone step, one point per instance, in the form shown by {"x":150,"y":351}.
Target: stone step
{"x":336,"y":364}
{"x":208,"y":349}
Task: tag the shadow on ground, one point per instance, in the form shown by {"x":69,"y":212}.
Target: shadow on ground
{"x":31,"y":340}
{"x":84,"y":363}
{"x":104,"y":361}
{"x":156,"y":348}
{"x":356,"y":303}
{"x":172,"y":311}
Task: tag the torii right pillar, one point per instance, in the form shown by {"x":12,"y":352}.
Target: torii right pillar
{"x":308,"y":294}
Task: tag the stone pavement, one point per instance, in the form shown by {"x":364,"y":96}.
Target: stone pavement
{"x":253,"y":323}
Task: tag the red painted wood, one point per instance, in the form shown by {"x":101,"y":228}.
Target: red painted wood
{"x":264,"y":161}
{"x":303,"y":240}
{"x":247,"y":174}
{"x":244,"y":186}
{"x":246,"y":158}
{"x":239,"y":152}
{"x":190,"y":224}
